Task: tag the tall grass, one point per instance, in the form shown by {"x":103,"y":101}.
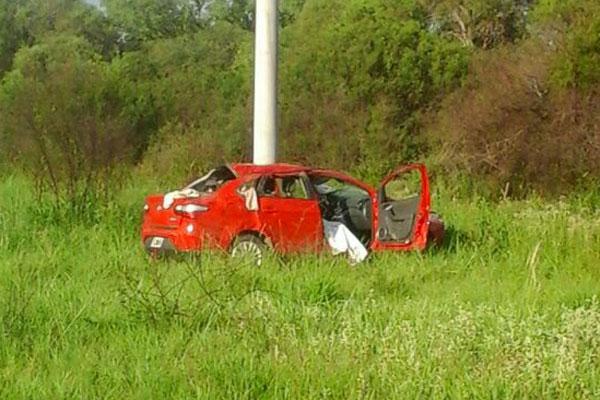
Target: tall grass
{"x":509,"y":308}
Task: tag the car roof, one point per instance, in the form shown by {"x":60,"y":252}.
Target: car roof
{"x":243,"y":169}
{"x":251,"y":169}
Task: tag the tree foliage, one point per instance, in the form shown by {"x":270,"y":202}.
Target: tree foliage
{"x":480,"y":23}
{"x":167,"y":85}
{"x":363,"y":76}
{"x":573,"y":27}
{"x":63,"y":114}
{"x":139,"y":21}
{"x":11,"y":34}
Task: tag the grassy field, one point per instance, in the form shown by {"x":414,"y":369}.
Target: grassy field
{"x":509,"y":308}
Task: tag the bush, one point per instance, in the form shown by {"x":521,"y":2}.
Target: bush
{"x":181,"y":154}
{"x":510,"y":126}
{"x":352,"y":94}
{"x":573,"y":28}
{"x":63,"y":118}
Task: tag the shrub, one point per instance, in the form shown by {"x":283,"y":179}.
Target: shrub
{"x":352,"y":94}
{"x":63,"y":118}
{"x":512,"y":127}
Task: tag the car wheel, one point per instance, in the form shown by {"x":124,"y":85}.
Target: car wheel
{"x":437,"y":231}
{"x":249,"y":248}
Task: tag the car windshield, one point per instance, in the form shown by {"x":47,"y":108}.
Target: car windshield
{"x":212,"y":181}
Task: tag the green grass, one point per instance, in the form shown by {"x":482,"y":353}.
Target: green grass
{"x":508,"y":309}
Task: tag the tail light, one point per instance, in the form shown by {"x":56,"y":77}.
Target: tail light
{"x":190,"y":209}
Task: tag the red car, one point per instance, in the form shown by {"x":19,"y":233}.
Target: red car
{"x":246,"y":209}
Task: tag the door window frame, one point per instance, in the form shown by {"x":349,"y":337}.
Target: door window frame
{"x":418,"y":239}
{"x":308,"y":189}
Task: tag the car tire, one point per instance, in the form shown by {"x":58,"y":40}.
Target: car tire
{"x":437,"y":231}
{"x":249,"y":248}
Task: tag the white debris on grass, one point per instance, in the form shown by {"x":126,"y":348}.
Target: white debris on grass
{"x":342,"y":240}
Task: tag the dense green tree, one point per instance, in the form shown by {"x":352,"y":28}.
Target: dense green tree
{"x":573,"y":28}
{"x":63,"y":115}
{"x":27,"y":22}
{"x":481,"y":23}
{"x":370,"y":66}
{"x":197,"y":89}
{"x":143,"y":20}
{"x":173,"y":78}
{"x":241,"y":12}
{"x":289,"y":11}
{"x":236,"y":12}
{"x":11,"y":34}
{"x":190,"y":77}
{"x":388,"y":51}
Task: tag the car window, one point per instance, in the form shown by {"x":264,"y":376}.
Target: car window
{"x":328,"y":185}
{"x":289,"y":187}
{"x":267,"y":187}
{"x":293,"y":187}
{"x":405,"y":186}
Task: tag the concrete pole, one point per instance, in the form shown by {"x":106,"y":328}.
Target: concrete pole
{"x":265,"y":83}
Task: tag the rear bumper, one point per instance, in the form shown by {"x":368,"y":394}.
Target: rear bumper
{"x":167,"y":246}
{"x":174,"y":240}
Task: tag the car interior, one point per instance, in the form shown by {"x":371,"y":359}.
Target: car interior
{"x":289,"y":187}
{"x":398,"y":207}
{"x":212,"y":181}
{"x":345,"y":203}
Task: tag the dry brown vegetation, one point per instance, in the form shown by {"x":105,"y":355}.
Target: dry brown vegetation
{"x":512,"y":125}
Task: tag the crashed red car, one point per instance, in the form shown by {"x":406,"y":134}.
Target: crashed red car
{"x":247,"y":209}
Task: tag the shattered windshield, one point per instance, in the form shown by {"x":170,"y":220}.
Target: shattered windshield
{"x":212,"y":181}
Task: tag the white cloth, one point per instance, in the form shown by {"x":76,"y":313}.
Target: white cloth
{"x":250,"y":198}
{"x":342,"y":240}
{"x":170,"y":198}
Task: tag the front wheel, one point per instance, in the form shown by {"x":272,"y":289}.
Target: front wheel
{"x":249,"y":248}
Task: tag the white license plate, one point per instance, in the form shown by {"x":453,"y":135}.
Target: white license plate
{"x":157,"y":242}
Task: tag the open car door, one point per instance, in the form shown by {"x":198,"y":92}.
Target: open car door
{"x":401,"y":212}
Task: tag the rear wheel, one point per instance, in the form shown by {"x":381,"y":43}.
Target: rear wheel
{"x":249,"y":248}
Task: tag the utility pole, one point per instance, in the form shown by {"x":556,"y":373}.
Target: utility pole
{"x":265,"y":82}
